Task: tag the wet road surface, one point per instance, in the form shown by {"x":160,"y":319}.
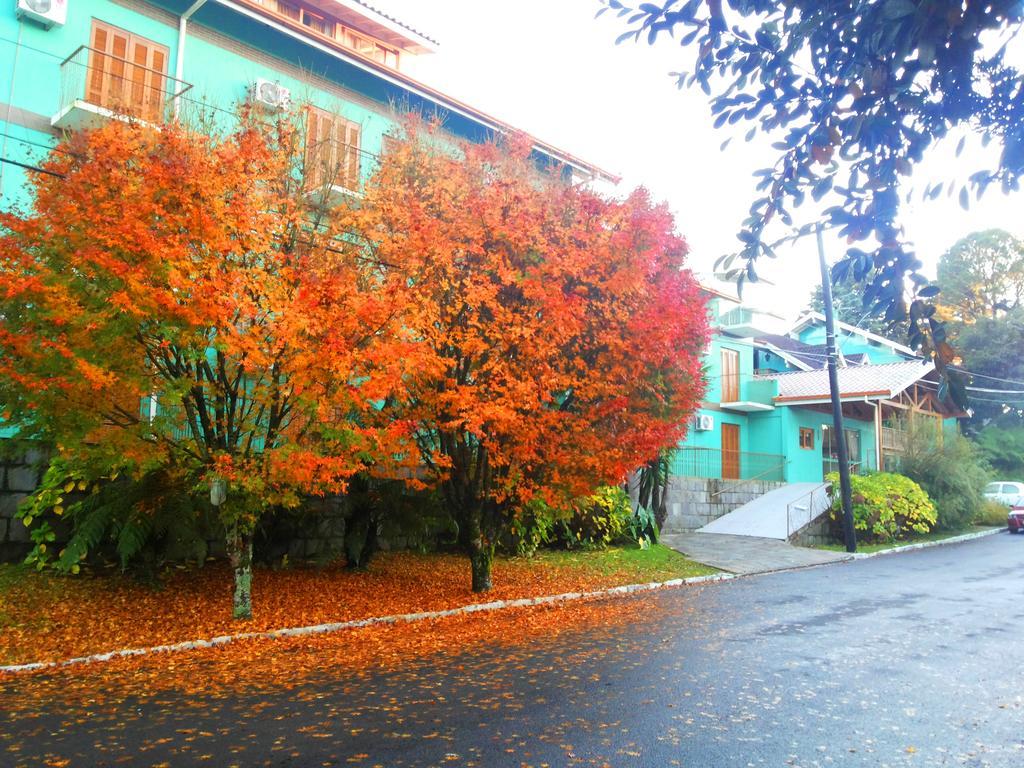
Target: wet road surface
{"x":906,"y":660}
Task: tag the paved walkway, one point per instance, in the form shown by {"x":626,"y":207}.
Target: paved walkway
{"x":776,"y":514}
{"x":747,"y":554}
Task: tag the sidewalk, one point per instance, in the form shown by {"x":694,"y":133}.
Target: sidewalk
{"x":745,"y":555}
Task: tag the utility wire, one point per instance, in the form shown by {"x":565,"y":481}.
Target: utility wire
{"x":31,"y":167}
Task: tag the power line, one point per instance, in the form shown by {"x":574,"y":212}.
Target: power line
{"x":31,"y":167}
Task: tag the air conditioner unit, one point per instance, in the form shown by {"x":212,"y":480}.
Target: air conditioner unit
{"x":46,"y":12}
{"x":271,"y":95}
{"x":704,"y":422}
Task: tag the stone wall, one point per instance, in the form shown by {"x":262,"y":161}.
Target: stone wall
{"x":693,"y":502}
{"x":18,"y":478}
{"x":815,"y":534}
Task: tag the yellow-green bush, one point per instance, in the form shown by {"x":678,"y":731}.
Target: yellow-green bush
{"x":886,"y":507}
{"x":598,"y":520}
{"x":991,"y":513}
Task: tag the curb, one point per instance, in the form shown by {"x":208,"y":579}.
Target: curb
{"x":400,"y":618}
{"x":928,"y":544}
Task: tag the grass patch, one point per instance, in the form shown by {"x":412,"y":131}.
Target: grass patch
{"x":657,"y":563}
{"x":917,"y":539}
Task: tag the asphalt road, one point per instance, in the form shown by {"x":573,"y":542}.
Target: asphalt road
{"x":907,"y":660}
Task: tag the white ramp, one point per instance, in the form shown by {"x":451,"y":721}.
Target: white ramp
{"x":776,"y":515}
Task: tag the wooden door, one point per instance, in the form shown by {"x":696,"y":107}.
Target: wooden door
{"x":730,"y":376}
{"x":730,"y":451}
{"x":126,"y":73}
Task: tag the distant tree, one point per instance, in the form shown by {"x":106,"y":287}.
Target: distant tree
{"x":563,"y":334}
{"x":848,"y":301}
{"x":994,"y":347}
{"x":982,"y":275}
{"x":1003,"y":448}
{"x":856,"y":91}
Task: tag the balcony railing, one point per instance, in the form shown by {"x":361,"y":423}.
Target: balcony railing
{"x":96,"y":86}
{"x":893,"y":439}
{"x":737,"y":316}
{"x":832,"y":465}
{"x":726,"y":465}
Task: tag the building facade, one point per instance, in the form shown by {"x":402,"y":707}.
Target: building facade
{"x":70,"y":64}
{"x":767,"y":411}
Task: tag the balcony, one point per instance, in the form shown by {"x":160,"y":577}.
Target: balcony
{"x":691,"y":461}
{"x":743,"y":321}
{"x":96,"y":87}
{"x":894,"y":439}
{"x":745,"y":395}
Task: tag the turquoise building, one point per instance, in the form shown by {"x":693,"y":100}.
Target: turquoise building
{"x":767,"y":411}
{"x":69,"y":64}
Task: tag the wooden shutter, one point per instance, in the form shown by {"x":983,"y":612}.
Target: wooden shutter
{"x":730,"y":376}
{"x":332,"y":151}
{"x":107,"y":71}
{"x":126,"y":73}
{"x":318,"y":148}
{"x":350,"y":166}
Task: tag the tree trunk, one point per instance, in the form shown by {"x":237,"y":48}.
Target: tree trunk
{"x":239,"y":546}
{"x":480,"y":557}
{"x":481,"y":551}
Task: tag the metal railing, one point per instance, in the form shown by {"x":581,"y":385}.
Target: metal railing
{"x":832,"y":465}
{"x":118,"y":85}
{"x":737,"y":316}
{"x":690,"y":461}
{"x":805,"y":510}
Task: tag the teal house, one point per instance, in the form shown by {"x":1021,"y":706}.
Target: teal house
{"x":69,"y":64}
{"x":767,"y":411}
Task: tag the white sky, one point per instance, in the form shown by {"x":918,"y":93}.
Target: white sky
{"x":548,"y":67}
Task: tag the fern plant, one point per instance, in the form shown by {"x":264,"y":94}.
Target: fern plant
{"x":152,"y":517}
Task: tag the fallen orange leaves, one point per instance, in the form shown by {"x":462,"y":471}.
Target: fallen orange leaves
{"x":50,"y":618}
{"x":292,"y":664}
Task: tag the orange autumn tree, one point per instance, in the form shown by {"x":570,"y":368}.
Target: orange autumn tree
{"x":563,"y":333}
{"x":174,"y":301}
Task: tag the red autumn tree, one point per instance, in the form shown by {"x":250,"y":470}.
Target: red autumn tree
{"x":563,"y":335}
{"x":174,"y":301}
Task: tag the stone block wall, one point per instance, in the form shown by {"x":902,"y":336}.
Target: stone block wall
{"x":814,"y":534}
{"x":693,"y":502}
{"x":18,"y":478}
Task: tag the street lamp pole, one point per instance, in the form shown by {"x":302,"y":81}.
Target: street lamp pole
{"x":839,"y":440}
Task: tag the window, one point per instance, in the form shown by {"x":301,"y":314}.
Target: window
{"x":316,"y":21}
{"x":126,"y":73}
{"x":807,"y":438}
{"x":730,"y":376}
{"x":332,"y":151}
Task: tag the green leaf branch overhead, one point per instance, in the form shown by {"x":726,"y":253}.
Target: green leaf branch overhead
{"x":855,"y":93}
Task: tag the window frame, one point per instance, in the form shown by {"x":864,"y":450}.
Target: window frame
{"x":806,"y":432}
{"x":350,"y":176}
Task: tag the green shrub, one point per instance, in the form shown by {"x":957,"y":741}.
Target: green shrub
{"x":597,"y":520}
{"x":991,"y":513}
{"x":952,"y":472}
{"x":886,"y":507}
{"x":643,"y":527}
{"x":143,"y":520}
{"x":533,"y":526}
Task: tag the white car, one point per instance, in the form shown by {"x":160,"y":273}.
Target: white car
{"x":1005,"y":492}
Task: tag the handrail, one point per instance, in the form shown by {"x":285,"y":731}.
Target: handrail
{"x":755,"y":478}
{"x":789,"y":507}
{"x":98,"y":52}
